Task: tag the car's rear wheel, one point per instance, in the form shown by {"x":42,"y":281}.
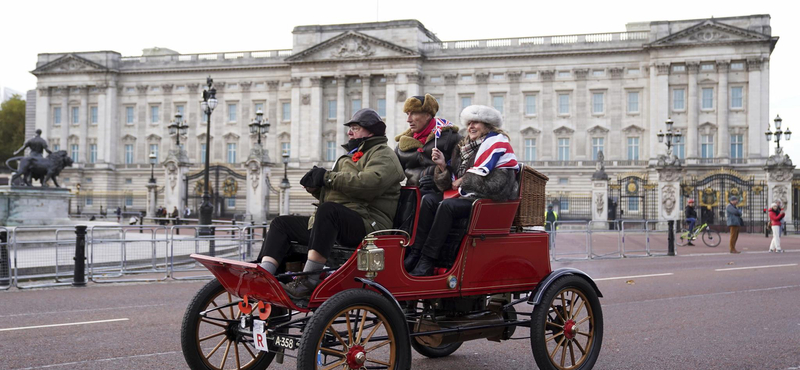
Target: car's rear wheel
{"x":567,"y":326}
{"x":213,"y":342}
{"x":356,"y":328}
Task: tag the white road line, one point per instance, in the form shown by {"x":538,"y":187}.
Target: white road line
{"x":85,"y":310}
{"x":633,"y":276}
{"x":65,"y":324}
{"x":703,"y":295}
{"x":72,"y":364}
{"x":755,"y":267}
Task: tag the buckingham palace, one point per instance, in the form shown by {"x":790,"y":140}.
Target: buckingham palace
{"x":564,"y":98}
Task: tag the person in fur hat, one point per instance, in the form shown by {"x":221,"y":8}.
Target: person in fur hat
{"x":415,"y":146}
{"x":483,"y":165}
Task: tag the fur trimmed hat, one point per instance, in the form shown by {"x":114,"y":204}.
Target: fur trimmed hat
{"x":481,"y":113}
{"x":421,"y":104}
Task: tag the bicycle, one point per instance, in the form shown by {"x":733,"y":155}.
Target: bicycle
{"x":710,"y":237}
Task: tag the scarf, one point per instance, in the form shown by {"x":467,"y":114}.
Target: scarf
{"x":495,"y":153}
{"x":467,"y":150}
{"x":353,"y":144}
{"x":422,"y":136}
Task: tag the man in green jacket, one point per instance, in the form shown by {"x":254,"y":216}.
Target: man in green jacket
{"x":359,"y":195}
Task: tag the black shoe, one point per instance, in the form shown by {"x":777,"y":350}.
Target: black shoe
{"x":690,"y":243}
{"x":300,"y":288}
{"x":424,"y":267}
{"x":411,"y":259}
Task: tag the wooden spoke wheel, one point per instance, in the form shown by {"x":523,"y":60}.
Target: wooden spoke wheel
{"x":567,"y":326}
{"x":355,"y":329}
{"x":214,"y":342}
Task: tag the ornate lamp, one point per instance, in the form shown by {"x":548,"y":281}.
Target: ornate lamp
{"x":259,"y":126}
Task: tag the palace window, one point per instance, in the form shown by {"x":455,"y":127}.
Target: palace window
{"x":737,"y":146}
{"x":331,"y":109}
{"x":129,"y":200}
{"x":231,"y":153}
{"x":530,"y":105}
{"x":75,"y":115}
{"x":93,"y":113}
{"x":231,"y":112}
{"x":708,"y":98}
{"x":154,"y":114}
{"x":128,"y":153}
{"x":737,"y":100}
{"x":260,"y":107}
{"x":203,"y":152}
{"x":706,"y":67}
{"x":563,"y":74}
{"x":634,"y":71}
{"x":633,"y":148}
{"x":679,"y":148}
{"x":707,"y":146}
{"x":598,"y":72}
{"x":382,"y":107}
{"x":466,"y":101}
{"x":597,"y":103}
{"x":355,"y":106}
{"x":179,"y":109}
{"x":154,"y":150}
{"x":530,"y":75}
{"x":497,"y":103}
{"x":56,"y":116}
{"x":530,"y":150}
{"x":633,"y":102}
{"x":74,"y":153}
{"x":330,"y":151}
{"x":563,"y":149}
{"x":678,"y":99}
{"x":286,"y":112}
{"x":737,"y":66}
{"x":231,"y":202}
{"x":286,"y":148}
{"x":563,"y":103}
{"x":598,"y":145}
{"x":129,"y":115}
{"x":679,"y":68}
{"x":93,"y":153}
{"x":466,"y":78}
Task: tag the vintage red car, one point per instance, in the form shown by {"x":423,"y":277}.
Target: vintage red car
{"x":369,"y":312}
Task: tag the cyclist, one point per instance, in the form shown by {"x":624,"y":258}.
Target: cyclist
{"x":691,"y":218}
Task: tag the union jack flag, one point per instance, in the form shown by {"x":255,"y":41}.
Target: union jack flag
{"x":495,"y":152}
{"x":441,"y":123}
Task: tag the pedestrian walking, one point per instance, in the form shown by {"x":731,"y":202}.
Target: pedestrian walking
{"x":550,"y":217}
{"x":118,"y":212}
{"x":776,"y":215}
{"x":734,"y":221}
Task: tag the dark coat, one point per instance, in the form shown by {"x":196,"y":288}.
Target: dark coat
{"x":499,"y":185}
{"x":734,"y":215}
{"x":417,"y":164}
{"x":690,"y":212}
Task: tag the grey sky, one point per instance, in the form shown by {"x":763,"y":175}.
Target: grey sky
{"x":127,"y":27}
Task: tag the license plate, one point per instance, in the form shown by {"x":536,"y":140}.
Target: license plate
{"x":259,"y":336}
{"x":286,"y":342}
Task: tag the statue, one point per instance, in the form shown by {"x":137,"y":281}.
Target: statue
{"x":600,"y":169}
{"x":35,"y":167}
{"x":36,"y":144}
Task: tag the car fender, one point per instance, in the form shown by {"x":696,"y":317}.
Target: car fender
{"x":383,"y":291}
{"x":536,"y":297}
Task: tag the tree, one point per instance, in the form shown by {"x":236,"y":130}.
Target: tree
{"x":12,"y":127}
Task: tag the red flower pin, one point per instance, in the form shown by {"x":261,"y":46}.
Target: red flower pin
{"x":357,"y":156}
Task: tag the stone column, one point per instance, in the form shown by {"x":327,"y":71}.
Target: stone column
{"x":691,"y":111}
{"x":724,"y":147}
{"x":142,"y":151}
{"x":176,"y":166}
{"x":83,"y":128}
{"x":194,"y":118}
{"x":366,"y":82}
{"x":273,"y":107}
{"x":103,"y":126}
{"x":669,"y":187}
{"x":247,"y":116}
{"x":44,"y":114}
{"x":448,"y":108}
{"x":258,"y":171}
{"x":599,"y":204}
{"x":779,"y":182}
{"x":754,"y":116}
{"x":392,"y":123}
{"x":341,"y":114}
{"x":659,"y":105}
{"x":296,"y":120}
{"x":151,"y":199}
{"x":314,"y":140}
{"x":548,"y":115}
{"x":413,"y":83}
{"x":513,"y":115}
{"x":579,"y":119}
{"x":65,"y":119}
{"x":617,"y":108}
{"x":482,"y":95}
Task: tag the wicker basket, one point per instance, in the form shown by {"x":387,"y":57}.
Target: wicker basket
{"x":532,"y":199}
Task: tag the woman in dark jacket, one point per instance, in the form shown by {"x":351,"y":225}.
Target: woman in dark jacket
{"x":483,"y":165}
{"x":415,"y":145}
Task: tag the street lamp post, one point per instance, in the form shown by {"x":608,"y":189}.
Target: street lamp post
{"x":778,"y":134}
{"x":208,"y":104}
{"x":673,"y":137}
{"x":153,"y":159}
{"x":178,"y":128}
{"x":285,"y":186}
{"x":259,"y":126}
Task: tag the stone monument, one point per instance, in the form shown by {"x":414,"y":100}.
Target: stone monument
{"x":600,"y":193}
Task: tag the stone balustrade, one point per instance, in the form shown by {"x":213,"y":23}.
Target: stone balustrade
{"x":543,"y":43}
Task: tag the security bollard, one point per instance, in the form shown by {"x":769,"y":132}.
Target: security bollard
{"x":80,"y":256}
{"x":671,"y":238}
{"x":212,"y":248}
{"x":250,"y":239}
{"x":5,"y":262}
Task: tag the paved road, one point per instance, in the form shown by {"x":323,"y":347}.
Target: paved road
{"x":717,"y":311}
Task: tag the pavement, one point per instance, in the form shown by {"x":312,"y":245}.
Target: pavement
{"x":703,"y":309}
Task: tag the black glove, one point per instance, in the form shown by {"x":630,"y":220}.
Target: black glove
{"x":314,"y":178}
{"x":426,"y":182}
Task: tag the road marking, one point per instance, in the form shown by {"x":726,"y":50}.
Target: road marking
{"x":704,"y":295}
{"x":633,"y":277}
{"x":756,"y":267}
{"x":84,"y":310}
{"x":72,"y":364}
{"x":65,"y":324}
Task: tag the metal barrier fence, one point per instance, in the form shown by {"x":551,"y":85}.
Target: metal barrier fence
{"x":32,"y":257}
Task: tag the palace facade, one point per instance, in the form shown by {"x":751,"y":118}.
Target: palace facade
{"x":564,"y":99}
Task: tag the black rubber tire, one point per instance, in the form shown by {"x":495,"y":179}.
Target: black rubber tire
{"x":680,"y":239}
{"x":711,"y":238}
{"x":540,"y":313}
{"x":307,"y":353}
{"x":435,"y":352}
{"x":191,"y":320}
